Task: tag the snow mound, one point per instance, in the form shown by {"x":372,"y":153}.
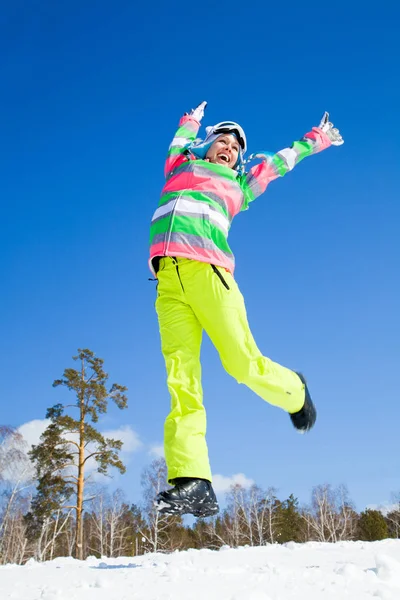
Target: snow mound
{"x":312,"y":571}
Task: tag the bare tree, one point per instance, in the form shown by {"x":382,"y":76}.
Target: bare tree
{"x":116,"y":524}
{"x":157,"y":534}
{"x":393,"y":517}
{"x":15,"y":484}
{"x":12,"y":452}
{"x":14,"y":542}
{"x":268,"y":514}
{"x":250,"y":518}
{"x":52,"y":528}
{"x":69,"y":534}
{"x":237,"y":515}
{"x":215,"y":532}
{"x":111,"y":525}
{"x":98,"y":528}
{"x":331,"y":517}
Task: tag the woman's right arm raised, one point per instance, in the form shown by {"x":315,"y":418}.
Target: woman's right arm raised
{"x":187,"y":132}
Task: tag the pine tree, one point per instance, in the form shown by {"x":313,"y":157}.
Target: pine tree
{"x":372,"y":526}
{"x":68,"y":443}
{"x":290,"y":522}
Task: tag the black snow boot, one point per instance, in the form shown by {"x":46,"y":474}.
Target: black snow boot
{"x":188,"y":496}
{"x":305,"y":418}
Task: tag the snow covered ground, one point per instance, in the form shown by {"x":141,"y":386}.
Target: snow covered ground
{"x":312,"y":571}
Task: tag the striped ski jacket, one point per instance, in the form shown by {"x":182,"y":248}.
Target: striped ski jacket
{"x":200,"y":199}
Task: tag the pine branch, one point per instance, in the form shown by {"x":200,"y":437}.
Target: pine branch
{"x":91,"y":455}
{"x":73,"y":477}
{"x":88,"y":499}
{"x":71,"y":442}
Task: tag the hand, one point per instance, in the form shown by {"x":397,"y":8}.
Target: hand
{"x":332,"y":133}
{"x":198,"y":112}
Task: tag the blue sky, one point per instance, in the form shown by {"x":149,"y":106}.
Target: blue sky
{"x":91,"y":94}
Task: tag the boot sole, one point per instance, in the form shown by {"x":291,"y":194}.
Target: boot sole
{"x":175,"y":508}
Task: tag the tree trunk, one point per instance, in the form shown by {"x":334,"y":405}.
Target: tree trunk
{"x":79,"y":498}
{"x":53,"y":541}
{"x":80,"y":484}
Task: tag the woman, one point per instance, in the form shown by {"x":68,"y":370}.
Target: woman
{"x":206,"y":186}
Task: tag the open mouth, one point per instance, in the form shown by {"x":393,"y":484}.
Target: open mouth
{"x":223,"y":157}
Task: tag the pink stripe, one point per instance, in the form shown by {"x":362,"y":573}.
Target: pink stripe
{"x":200,"y":254}
{"x":157,"y":250}
{"x":187,"y":118}
{"x":172,"y":162}
{"x":263,"y":173}
{"x":319,"y":136}
{"x":196,"y":183}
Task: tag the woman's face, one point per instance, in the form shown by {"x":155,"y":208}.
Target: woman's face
{"x":224,"y":151}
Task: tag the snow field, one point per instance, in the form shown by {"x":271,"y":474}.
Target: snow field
{"x":311,"y":571}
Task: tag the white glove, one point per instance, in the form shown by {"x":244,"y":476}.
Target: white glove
{"x":332,"y":133}
{"x":198,"y":112}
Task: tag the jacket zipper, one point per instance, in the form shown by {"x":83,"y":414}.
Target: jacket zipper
{"x":177,"y":271}
{"x":214,"y":268}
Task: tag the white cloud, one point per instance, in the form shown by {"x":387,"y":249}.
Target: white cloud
{"x":32,"y":430}
{"x":157,"y":450}
{"x":127,"y":435}
{"x":222,"y":484}
{"x":131,"y":443}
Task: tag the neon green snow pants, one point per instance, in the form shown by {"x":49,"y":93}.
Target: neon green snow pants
{"x":191,"y":298}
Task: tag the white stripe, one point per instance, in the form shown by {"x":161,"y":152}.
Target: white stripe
{"x":179,"y":141}
{"x":219,"y":220}
{"x":202,"y":208}
{"x":289,"y":155}
{"x":183,"y":205}
{"x":164,"y":209}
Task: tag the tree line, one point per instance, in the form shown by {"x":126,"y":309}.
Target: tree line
{"x":49,"y":506}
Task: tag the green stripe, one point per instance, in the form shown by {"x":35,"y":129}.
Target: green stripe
{"x":279,"y":165}
{"x":203,"y":198}
{"x":160,"y":226}
{"x":193,"y":226}
{"x":220,"y":170}
{"x":219,"y":239}
{"x":247,"y":191}
{"x":175,"y":150}
{"x":165,"y":198}
{"x":302,"y":148}
{"x":185,"y":132}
